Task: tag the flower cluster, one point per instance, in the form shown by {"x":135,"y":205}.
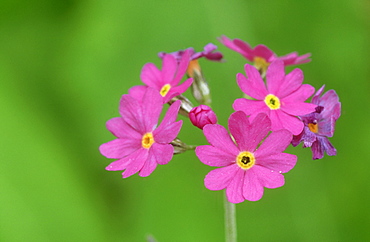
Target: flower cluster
{"x":271,"y":115}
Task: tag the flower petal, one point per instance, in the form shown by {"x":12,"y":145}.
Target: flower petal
{"x":269,"y":178}
{"x":264,"y":52}
{"x":291,"y":83}
{"x":275,"y":76}
{"x":218,"y":136}
{"x":169,"y":66}
{"x":214,"y":156}
{"x":275,"y":143}
{"x":220,"y":178}
{"x":168,"y":129}
{"x":137,"y":92}
{"x":253,"y":85}
{"x":177,"y":90}
{"x":131,"y":112}
{"x":122,"y":164}
{"x":148,"y":167}
{"x":119,"y":128}
{"x":119,"y":148}
{"x":250,"y":107}
{"x":298,"y":108}
{"x":234,"y":190}
{"x":300,"y":95}
{"x":151,"y":76}
{"x":183,"y":66}
{"x":162,"y":153}
{"x":291,"y":123}
{"x":252,"y":188}
{"x":280,"y":162}
{"x":138,"y":160}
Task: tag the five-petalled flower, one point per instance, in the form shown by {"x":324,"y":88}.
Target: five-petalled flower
{"x":320,"y":124}
{"x":282,"y":98}
{"x":141,"y":145}
{"x":247,"y":165}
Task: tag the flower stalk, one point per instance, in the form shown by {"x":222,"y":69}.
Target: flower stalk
{"x":230,"y":221}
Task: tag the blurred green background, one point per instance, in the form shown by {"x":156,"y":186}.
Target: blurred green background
{"x":63,"y":68}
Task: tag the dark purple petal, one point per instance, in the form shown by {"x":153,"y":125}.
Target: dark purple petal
{"x":213,"y":156}
{"x":220,"y":178}
{"x":322,"y":145}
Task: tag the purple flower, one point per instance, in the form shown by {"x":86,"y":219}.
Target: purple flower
{"x":282,"y":98}
{"x":247,"y":165}
{"x":202,"y":115}
{"x":261,"y":55}
{"x":141,"y":145}
{"x":207,"y":53}
{"x":320,"y":125}
{"x":165,"y":81}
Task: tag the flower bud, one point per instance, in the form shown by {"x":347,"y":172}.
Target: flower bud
{"x":202,"y":115}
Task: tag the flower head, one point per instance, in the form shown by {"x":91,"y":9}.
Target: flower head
{"x":202,"y":115}
{"x":282,"y":98}
{"x":320,"y":125}
{"x":165,"y":81}
{"x":261,"y":55}
{"x":247,"y":165}
{"x":141,"y":145}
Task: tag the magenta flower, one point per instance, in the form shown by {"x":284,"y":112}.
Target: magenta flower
{"x":165,"y":81}
{"x":141,"y":145}
{"x":320,"y":125}
{"x":247,"y":165}
{"x":282,"y":98}
{"x":261,"y":55}
{"x":202,"y":115}
{"x":207,"y":53}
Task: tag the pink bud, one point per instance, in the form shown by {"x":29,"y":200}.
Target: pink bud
{"x":202,"y":115}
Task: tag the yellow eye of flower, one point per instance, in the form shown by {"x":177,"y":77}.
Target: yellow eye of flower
{"x":272,"y":101}
{"x":245,"y":160}
{"x":165,"y":90}
{"x":147,"y":140}
{"x":261,"y":64}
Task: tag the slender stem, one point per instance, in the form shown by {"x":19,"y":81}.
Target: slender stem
{"x":230,"y":220}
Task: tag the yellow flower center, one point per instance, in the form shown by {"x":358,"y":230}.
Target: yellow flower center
{"x":165,"y":90}
{"x":261,"y":64}
{"x":245,"y":160}
{"x":272,"y":101}
{"x":313,"y":127}
{"x":147,"y":140}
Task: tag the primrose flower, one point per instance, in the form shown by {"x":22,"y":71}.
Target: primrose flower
{"x":246,"y":165}
{"x":165,"y":81}
{"x":261,"y":55}
{"x":320,"y":125}
{"x":202,"y":115}
{"x":282,"y":98}
{"x":141,"y":145}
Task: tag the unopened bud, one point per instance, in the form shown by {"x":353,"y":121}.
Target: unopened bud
{"x":202,"y":115}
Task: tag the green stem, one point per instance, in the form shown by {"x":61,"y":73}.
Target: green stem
{"x":230,"y":220}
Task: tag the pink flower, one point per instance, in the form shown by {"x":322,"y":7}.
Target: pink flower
{"x":320,"y":125}
{"x":207,"y":53}
{"x":261,"y":55}
{"x":165,"y":81}
{"x":282,"y":98}
{"x":202,"y":115}
{"x":247,"y":165}
{"x":141,"y":145}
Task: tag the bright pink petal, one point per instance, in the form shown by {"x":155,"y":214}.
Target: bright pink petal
{"x":123,"y":163}
{"x":168,"y":129}
{"x":218,"y":136}
{"x":275,"y":76}
{"x":220,"y":178}
{"x":244,"y":49}
{"x":291,"y":123}
{"x":119,"y":128}
{"x":130,"y":110}
{"x":250,"y":107}
{"x":291,"y":83}
{"x":149,"y":166}
{"x":213,"y":156}
{"x":252,"y":188}
{"x":137,"y":92}
{"x":151,"y":76}
{"x":177,"y":90}
{"x":138,"y":160}
{"x":298,"y":108}
{"x":152,"y":108}
{"x":268,"y":178}
{"x":275,"y":143}
{"x":253,"y":85}
{"x":276,"y":123}
{"x":119,"y":148}
{"x":183,"y":66}
{"x":234,"y":190}
{"x":162,"y":153}
{"x":281,"y":162}
{"x":169,"y":67}
{"x":300,"y":95}
{"x":263,"y":51}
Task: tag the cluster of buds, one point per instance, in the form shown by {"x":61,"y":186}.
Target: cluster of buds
{"x":272,"y":115}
